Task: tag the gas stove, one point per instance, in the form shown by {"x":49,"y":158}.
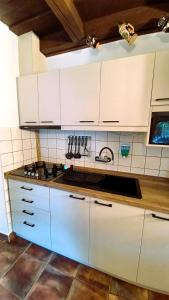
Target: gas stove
{"x":39,"y":170}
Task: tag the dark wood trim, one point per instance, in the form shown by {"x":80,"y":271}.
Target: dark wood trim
{"x":68,"y":15}
{"x":3,"y":237}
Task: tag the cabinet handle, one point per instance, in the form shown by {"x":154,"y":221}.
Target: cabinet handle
{"x":161,"y":218}
{"x":162,"y":99}
{"x":110,"y":121}
{"x":27,"y":201}
{"x":86,"y":121}
{"x":28,"y":224}
{"x":103,"y":204}
{"x":79,"y":198}
{"x":27,"y":189}
{"x":27,"y":212}
{"x":29,"y":122}
{"x":48,"y":122}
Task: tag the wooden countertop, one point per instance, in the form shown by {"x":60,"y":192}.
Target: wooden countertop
{"x":155,"y":190}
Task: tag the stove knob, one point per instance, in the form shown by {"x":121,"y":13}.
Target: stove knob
{"x":46,"y":173}
{"x":36,"y":175}
{"x":26,"y":170}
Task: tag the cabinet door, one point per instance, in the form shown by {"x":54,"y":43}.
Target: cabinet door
{"x":160,"y":94}
{"x":80,"y":89}
{"x":49,"y":102}
{"x":70,"y":224}
{"x":115,"y":238}
{"x":28,"y":100}
{"x":154,"y":260}
{"x":126,"y":91}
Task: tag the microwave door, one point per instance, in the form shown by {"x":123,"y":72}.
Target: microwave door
{"x":159,"y":132}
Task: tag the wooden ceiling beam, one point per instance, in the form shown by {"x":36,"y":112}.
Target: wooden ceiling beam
{"x":67,"y":14}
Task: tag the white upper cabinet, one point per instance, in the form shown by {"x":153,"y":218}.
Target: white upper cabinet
{"x":80,"y":88}
{"x":115,"y":238}
{"x":39,"y":102}
{"x":160,"y":94}
{"x":154,"y":260}
{"x":49,"y":102}
{"x":126,"y":91}
{"x":28,"y":100}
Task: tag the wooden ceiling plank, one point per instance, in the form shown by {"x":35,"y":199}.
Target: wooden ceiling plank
{"x":67,"y":14}
{"x":26,"y":25}
{"x":106,"y":28}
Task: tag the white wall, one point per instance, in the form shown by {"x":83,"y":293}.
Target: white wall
{"x":9,"y":69}
{"x":144,"y":44}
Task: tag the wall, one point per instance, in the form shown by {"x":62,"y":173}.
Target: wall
{"x":141,"y":160}
{"x":144,"y":44}
{"x":16,"y":146}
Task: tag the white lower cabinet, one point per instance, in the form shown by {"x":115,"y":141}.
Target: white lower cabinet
{"x":154,"y":260}
{"x":115,"y":238}
{"x":70,"y":224}
{"x":31,"y":223}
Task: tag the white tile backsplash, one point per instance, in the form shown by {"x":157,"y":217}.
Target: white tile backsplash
{"x":17,"y":147}
{"x":141,"y":159}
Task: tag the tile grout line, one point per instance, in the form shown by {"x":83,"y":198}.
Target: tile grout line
{"x":43,"y":267}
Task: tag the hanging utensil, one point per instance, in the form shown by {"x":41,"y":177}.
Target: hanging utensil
{"x":69,"y":155}
{"x":75,"y":152}
{"x":85,"y":146}
{"x":78,"y":155}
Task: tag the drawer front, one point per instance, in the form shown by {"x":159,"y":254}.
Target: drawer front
{"x":37,"y":201}
{"x":32,"y":224}
{"x":60,"y":195}
{"x":28,"y":188}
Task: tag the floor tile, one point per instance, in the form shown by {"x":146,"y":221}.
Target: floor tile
{"x":21,"y":276}
{"x":64,"y":265}
{"x":94,"y":277}
{"x":14,"y":249}
{"x":6,"y":295}
{"x":5,"y":264}
{"x":51,"y":285}
{"x":128,"y":291}
{"x":83,"y":291}
{"x":39,"y":252}
{"x":157,"y":296}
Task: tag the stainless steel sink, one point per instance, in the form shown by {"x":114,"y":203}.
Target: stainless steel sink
{"x":125,"y":186}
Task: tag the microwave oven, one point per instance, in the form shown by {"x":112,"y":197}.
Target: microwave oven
{"x":159,"y":126}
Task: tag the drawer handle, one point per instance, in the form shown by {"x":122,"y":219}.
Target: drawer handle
{"x":103,"y":204}
{"x":48,"y":122}
{"x":162,"y":99}
{"x":161,"y":218}
{"x":28,"y":224}
{"x":86,"y":121}
{"x":27,"y":201}
{"x":27,"y":189}
{"x":27,"y":212}
{"x":79,"y":198}
{"x":29,"y":122}
{"x":110,"y":121}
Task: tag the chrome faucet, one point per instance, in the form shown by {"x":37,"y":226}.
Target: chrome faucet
{"x":106,"y":158}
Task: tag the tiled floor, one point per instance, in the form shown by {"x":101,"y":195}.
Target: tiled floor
{"x":30,"y":272}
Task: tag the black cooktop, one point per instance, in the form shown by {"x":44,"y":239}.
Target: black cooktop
{"x":113,"y":184}
{"x":39,"y":170}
